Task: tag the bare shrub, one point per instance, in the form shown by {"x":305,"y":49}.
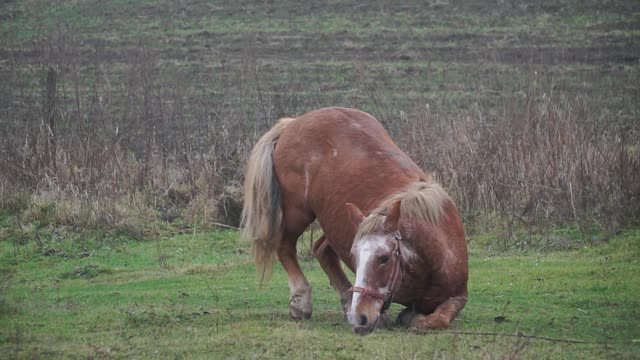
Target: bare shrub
{"x":549,"y":161}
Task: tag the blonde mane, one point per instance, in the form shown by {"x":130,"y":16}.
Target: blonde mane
{"x":422,"y":200}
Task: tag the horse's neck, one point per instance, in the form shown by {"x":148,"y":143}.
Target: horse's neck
{"x":391,"y":187}
{"x":426,"y":242}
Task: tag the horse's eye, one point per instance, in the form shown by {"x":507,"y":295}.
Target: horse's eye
{"x":384,"y":259}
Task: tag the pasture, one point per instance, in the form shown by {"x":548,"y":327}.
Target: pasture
{"x":125,"y":127}
{"x":195,"y":296}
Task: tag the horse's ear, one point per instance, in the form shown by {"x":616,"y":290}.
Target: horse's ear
{"x":393,"y":215}
{"x":354,"y":214}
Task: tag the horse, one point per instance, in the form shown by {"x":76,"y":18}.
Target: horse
{"x":383,"y":217}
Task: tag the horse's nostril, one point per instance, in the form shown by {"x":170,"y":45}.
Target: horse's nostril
{"x":363,"y":320}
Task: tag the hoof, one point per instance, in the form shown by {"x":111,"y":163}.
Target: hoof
{"x":297,"y":314}
{"x":299,"y":309}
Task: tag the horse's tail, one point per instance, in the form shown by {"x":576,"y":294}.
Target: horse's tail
{"x":262,"y":213}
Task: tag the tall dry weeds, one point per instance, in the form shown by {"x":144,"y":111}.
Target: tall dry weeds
{"x":548,"y":161}
{"x":125,"y":151}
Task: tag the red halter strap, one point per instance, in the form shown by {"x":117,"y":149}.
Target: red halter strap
{"x":368,"y":292}
{"x":396,"y":275}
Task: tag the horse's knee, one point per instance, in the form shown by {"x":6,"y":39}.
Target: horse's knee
{"x":430,"y":322}
{"x":417,"y":321}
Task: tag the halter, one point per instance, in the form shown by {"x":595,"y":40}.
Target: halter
{"x":393,"y":281}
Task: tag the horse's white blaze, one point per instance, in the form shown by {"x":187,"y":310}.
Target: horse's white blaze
{"x":364,"y":252}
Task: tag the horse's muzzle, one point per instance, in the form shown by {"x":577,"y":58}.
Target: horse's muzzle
{"x":363,"y":330}
{"x":363,"y":324}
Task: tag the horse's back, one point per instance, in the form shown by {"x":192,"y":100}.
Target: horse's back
{"x":338,"y":144}
{"x":333,"y":128}
{"x":341,"y":138}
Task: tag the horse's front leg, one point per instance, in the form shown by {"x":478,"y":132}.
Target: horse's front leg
{"x":441,"y":318}
{"x":330,"y":263}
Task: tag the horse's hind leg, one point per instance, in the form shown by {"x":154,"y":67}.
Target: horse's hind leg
{"x":439,"y":319}
{"x":330,"y":263}
{"x":293,"y":225}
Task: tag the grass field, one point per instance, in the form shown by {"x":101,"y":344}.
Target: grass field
{"x":157,"y":98}
{"x":195,"y":296}
{"x":123,"y":124}
{"x":384,"y":57}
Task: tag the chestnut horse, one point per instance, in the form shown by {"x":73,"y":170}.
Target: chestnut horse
{"x":383,"y":217}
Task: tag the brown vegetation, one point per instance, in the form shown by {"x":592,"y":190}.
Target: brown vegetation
{"x":87,"y":145}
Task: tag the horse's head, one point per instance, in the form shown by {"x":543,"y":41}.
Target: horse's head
{"x":378,"y":262}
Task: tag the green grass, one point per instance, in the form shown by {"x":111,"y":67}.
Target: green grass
{"x":100,"y":294}
{"x":195,"y":296}
{"x":315,"y":44}
{"x":129,"y":17}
